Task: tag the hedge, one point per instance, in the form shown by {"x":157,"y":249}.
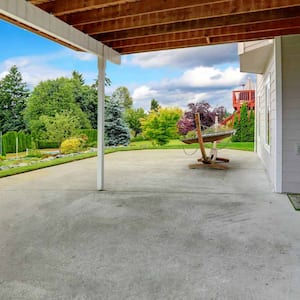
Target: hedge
{"x":9,"y":141}
{"x":47,"y":144}
{"x":90,"y":133}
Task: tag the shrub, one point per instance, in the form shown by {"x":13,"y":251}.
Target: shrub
{"x":34,"y":153}
{"x":138,"y":138}
{"x":47,"y":144}
{"x":71,"y":145}
{"x":191,"y":134}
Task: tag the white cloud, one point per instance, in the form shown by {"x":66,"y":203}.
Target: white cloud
{"x":84,"y":56}
{"x":210,"y":77}
{"x":33,"y":69}
{"x":37,"y":68}
{"x":198,"y":84}
{"x":185,"y":58}
{"x":143,"y":92}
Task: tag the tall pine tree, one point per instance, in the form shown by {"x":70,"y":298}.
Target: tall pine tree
{"x":237,"y":126}
{"x":244,"y":123}
{"x":13,"y":98}
{"x":251,"y":126}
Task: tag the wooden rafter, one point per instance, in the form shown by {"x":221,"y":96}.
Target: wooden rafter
{"x":209,"y":41}
{"x":283,"y":24}
{"x":132,"y":9}
{"x":61,"y":7}
{"x":227,"y":22}
{"x":131,"y":26}
{"x":205,"y":11}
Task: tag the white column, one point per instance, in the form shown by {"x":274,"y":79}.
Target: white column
{"x":278,"y":152}
{"x":101,"y":99}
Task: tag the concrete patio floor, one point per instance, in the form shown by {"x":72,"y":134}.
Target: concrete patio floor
{"x":159,"y":231}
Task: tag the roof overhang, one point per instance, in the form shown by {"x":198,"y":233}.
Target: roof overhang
{"x":136,"y":26}
{"x":255,"y":55}
{"x":28,"y":16}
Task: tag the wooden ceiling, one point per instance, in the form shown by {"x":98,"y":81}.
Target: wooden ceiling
{"x":133,"y":26}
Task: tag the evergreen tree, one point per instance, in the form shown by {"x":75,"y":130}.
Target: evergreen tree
{"x":244,"y":123}
{"x":154,"y":105}
{"x":116,"y":132}
{"x":13,"y":98}
{"x":86,"y":96}
{"x":237,"y":126}
{"x":251,"y":126}
{"x":78,"y":77}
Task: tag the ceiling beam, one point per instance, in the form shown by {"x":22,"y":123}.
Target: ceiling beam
{"x":59,"y":7}
{"x":209,"y":41}
{"x":207,"y":33}
{"x":206,"y":11}
{"x":202,"y":24}
{"x":131,"y":9}
{"x":37,"y":20}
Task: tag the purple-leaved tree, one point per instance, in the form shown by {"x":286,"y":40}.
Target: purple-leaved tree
{"x":207,"y":116}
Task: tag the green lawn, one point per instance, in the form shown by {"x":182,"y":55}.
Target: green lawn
{"x":174,"y":144}
{"x":177,"y":144}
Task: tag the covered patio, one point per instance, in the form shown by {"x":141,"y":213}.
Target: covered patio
{"x":158,"y":231}
{"x":111,"y":28}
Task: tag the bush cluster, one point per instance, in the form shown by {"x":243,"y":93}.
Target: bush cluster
{"x":72,"y":145}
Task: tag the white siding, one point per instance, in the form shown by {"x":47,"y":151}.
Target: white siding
{"x":265,"y":152}
{"x":282,"y":158}
{"x":290,"y":113}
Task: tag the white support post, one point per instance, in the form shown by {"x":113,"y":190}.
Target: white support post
{"x":101,"y":99}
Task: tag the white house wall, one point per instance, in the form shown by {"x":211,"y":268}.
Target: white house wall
{"x":265,"y":152}
{"x":290,"y":47}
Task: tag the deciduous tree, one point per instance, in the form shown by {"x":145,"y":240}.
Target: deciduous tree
{"x":60,"y":127}
{"x":207,"y":117}
{"x":161,"y":125}
{"x":133,"y":118}
{"x":49,"y":98}
{"x":122,"y":96}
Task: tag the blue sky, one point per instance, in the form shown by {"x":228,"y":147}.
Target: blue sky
{"x":173,"y":78}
